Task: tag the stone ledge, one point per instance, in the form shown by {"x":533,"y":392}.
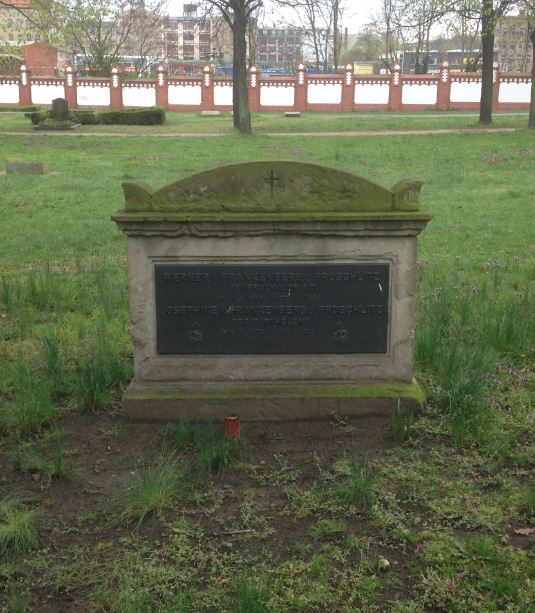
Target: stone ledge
{"x":152,"y":401}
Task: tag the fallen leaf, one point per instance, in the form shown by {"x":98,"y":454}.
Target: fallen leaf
{"x":525,"y":531}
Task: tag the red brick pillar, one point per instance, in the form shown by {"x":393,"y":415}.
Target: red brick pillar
{"x":396,"y":87}
{"x":70,"y":86}
{"x":254,"y":89}
{"x":496,"y":78}
{"x":162,"y":92}
{"x":116,"y":88}
{"x":207,"y":90}
{"x":301,"y":88}
{"x":25,"y":88}
{"x":444,"y":87}
{"x":348,"y":90}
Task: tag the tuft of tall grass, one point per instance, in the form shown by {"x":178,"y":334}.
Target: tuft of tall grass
{"x":461,"y":332}
{"x":213,"y":450}
{"x":98,"y":371}
{"x":153,"y":488}
{"x":251,"y":595}
{"x":402,"y":423}
{"x":51,"y":462}
{"x":354,"y":483}
{"x":17,"y":527}
{"x":30,"y":407}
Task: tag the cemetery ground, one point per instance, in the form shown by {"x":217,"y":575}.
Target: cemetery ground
{"x":404,"y":515}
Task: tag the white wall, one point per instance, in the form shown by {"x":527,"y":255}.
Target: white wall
{"x":324,"y":93}
{"x":44,"y":94}
{"x":277,"y":96}
{"x":372,"y":93}
{"x":139,"y":96}
{"x":462,"y":91}
{"x":9,"y":93}
{"x":184,"y":94}
{"x":419,"y":94}
{"x":514,"y":92}
{"x":93,"y":95}
{"x":223,"y":95}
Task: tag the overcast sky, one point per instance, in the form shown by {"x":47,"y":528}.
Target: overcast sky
{"x":357,"y":13}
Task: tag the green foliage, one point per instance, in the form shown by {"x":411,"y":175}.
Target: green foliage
{"x":150,"y":116}
{"x":153,"y":488}
{"x":18,"y":602}
{"x":402,"y":423}
{"x":31,"y":408}
{"x":251,"y":595}
{"x":98,"y":372}
{"x":48,"y":458}
{"x":213,"y":450}
{"x":325,"y":528}
{"x":354,"y":483}
{"x":36,"y":117}
{"x":86,"y":118}
{"x":135,"y":117}
{"x":17,"y":527}
{"x":19,"y":109}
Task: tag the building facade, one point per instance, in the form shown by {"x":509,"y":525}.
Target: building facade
{"x":512,"y":39}
{"x":195,"y":37}
{"x":279,"y":48}
{"x":15,"y":27}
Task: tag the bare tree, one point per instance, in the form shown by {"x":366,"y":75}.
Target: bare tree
{"x":100,"y":31}
{"x":237,"y":14}
{"x":417,"y":18}
{"x":320,"y":22}
{"x":529,"y":6}
{"x":387,"y":21}
{"x":488,"y":11}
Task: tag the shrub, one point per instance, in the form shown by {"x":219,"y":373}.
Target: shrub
{"x":135,"y":117}
{"x":38,"y":116}
{"x":86,"y":118}
{"x":150,"y":116}
{"x":19,"y":109}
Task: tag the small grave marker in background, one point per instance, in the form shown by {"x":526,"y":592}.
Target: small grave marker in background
{"x":26,"y":168}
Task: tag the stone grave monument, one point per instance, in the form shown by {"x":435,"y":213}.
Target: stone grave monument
{"x":272,"y":290}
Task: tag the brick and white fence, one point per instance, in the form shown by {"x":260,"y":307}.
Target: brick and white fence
{"x":343,"y":92}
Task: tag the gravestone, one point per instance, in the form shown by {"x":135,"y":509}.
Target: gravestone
{"x":273,"y":290}
{"x":60,"y":109}
{"x":26,"y":168}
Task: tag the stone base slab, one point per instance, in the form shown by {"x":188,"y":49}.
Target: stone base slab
{"x":295,"y":401}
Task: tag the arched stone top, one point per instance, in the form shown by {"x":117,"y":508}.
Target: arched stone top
{"x":273,"y":186}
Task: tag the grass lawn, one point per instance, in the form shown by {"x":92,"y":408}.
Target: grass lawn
{"x":399,"y":515}
{"x":194,"y":123}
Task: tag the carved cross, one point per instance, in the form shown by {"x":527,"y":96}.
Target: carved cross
{"x":272,"y":178}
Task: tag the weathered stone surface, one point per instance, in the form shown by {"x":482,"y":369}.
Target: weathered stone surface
{"x":26,"y":168}
{"x":273,"y":186}
{"x":60,"y":109}
{"x":260,"y":402}
{"x":270,"y":213}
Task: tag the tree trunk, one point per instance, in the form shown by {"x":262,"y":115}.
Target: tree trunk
{"x":336,"y":49}
{"x":487,"y":44}
{"x":240,"y":93}
{"x":531,"y":120}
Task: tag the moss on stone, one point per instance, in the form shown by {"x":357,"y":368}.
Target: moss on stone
{"x":214,"y":391}
{"x":272,"y":186}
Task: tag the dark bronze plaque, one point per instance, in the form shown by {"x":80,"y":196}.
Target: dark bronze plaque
{"x":307,"y":308}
